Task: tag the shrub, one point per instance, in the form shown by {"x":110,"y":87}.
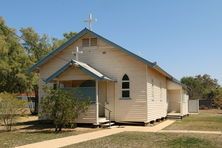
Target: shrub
{"x":61,"y":107}
{"x":10,"y":108}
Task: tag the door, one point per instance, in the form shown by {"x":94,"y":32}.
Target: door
{"x":102,"y":97}
{"x":110,"y":103}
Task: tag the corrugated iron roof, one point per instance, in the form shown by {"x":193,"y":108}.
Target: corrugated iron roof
{"x":83,"y":67}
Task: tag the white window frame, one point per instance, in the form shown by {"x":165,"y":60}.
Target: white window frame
{"x":125,"y":89}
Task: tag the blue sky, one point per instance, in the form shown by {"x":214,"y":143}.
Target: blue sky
{"x":183,"y":36}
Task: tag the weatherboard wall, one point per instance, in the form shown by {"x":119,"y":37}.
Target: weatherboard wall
{"x":142,"y":106}
{"x":156,"y":95}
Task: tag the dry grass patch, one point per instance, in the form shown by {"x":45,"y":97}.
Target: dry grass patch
{"x":30,"y":130}
{"x":206,"y":120}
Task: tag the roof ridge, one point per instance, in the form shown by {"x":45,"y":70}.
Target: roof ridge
{"x":83,"y":32}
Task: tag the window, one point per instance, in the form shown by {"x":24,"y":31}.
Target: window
{"x":125,"y":87}
{"x":93,"y":41}
{"x":89,"y":42}
{"x":85,"y":42}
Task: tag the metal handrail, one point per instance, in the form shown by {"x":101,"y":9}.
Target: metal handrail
{"x":108,"y":111}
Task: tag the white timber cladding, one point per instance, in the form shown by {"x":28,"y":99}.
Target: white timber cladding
{"x":114,"y":63}
{"x":156,"y":95}
{"x":174,"y":100}
{"x":185,"y":102}
{"x":110,"y":101}
{"x":73,"y":73}
{"x":89,"y":116}
{"x":142,"y":106}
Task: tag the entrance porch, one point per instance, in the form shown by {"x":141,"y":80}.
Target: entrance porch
{"x":96,"y":92}
{"x":87,"y":83}
{"x":177,"y":101}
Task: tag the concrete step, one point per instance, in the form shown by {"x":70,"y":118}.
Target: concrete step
{"x":107,"y":124}
{"x":103,"y":120}
{"x":174,"y":117}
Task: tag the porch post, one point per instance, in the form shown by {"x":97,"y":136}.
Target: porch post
{"x":97,"y":103}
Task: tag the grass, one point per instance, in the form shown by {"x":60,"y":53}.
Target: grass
{"x":15,"y":138}
{"x":27,"y":132}
{"x":156,"y":140}
{"x":204,"y":121}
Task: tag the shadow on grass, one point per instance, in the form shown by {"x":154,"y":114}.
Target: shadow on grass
{"x":46,"y":125}
{"x":36,"y":125}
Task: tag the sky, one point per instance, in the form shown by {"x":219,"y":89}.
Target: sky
{"x":183,"y":36}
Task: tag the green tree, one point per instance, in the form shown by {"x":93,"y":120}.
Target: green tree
{"x":37,"y":46}
{"x":58,"y":42}
{"x":17,"y":54}
{"x":69,"y":35}
{"x":61,"y":107}
{"x":10,"y":108}
{"x":201,"y":86}
{"x":13,"y":62}
{"x":218,"y":97}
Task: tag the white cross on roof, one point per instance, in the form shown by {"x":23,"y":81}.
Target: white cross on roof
{"x":90,"y":20}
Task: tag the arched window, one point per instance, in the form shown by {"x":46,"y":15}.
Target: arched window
{"x":125,"y":87}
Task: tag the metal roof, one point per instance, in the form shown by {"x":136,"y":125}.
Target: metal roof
{"x":83,"y":67}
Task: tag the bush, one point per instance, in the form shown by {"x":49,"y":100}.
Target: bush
{"x":61,"y":107}
{"x":10,"y":108}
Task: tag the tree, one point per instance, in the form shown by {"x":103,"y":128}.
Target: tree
{"x":58,"y":42}
{"x":13,"y":62}
{"x":17,"y":54}
{"x":37,"y":46}
{"x":218,"y":97}
{"x":69,"y":35}
{"x":62,"y":108}
{"x":10,"y":107}
{"x":201,"y":86}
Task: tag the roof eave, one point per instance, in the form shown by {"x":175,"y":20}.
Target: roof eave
{"x":83,"y":69}
{"x":60,"y":48}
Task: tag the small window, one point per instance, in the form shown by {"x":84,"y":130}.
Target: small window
{"x":89,"y":42}
{"x":125,"y":87}
{"x":93,"y":41}
{"x":125,"y":93}
{"x":85,"y":42}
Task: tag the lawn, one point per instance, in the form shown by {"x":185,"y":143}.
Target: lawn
{"x":145,"y":140}
{"x":206,"y":120}
{"x":27,"y":132}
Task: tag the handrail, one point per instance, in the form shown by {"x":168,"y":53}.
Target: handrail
{"x":107,"y":110}
{"x":104,"y":107}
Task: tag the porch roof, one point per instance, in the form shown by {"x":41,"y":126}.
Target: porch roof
{"x":83,"y":67}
